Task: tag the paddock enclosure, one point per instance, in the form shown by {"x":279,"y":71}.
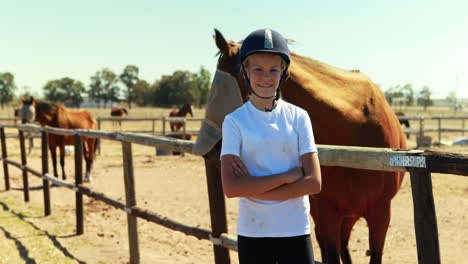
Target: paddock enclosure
{"x":175,"y":188}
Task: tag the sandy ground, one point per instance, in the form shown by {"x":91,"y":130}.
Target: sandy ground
{"x":175,"y":187}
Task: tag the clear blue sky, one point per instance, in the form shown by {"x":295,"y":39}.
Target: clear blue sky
{"x":393,"y":42}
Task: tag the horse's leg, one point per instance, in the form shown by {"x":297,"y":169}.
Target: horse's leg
{"x":88,"y":153}
{"x":327,"y":229}
{"x":378,"y":220}
{"x":330,"y":223}
{"x":314,"y":212}
{"x":53,"y":154}
{"x":62,"y":160}
{"x":346,"y":227}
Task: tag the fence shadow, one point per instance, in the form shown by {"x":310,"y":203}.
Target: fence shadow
{"x":36,"y":188}
{"x":23,"y":250}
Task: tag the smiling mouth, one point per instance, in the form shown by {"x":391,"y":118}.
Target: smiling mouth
{"x":265,"y":86}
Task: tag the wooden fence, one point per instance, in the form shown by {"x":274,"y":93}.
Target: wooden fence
{"x":419,"y":163}
{"x":153,"y":120}
{"x":421,"y":130}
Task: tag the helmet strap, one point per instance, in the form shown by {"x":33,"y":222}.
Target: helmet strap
{"x":278,"y":90}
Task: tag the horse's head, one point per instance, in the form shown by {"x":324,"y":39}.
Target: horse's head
{"x":28,"y":110}
{"x":228,"y":92}
{"x":190,"y":109}
{"x":125,"y":110}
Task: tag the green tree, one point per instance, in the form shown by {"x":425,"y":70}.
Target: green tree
{"x":178,"y":88}
{"x":408,"y":94}
{"x":392,"y":93}
{"x":424,"y":97}
{"x":65,"y":90}
{"x":103,"y":87}
{"x":130,"y":78}
{"x":7,"y":87}
{"x":153,"y":92}
{"x":203,"y":84}
{"x":142,"y":93}
{"x":95,"y":91}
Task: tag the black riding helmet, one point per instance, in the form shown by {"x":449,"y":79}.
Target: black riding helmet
{"x":265,"y":41}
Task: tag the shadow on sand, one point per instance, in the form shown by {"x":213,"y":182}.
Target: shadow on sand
{"x":23,"y":251}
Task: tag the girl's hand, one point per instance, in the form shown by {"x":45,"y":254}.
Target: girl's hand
{"x":239,"y":167}
{"x":294,"y":175}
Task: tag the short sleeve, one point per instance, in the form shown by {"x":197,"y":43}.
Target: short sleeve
{"x":231,"y":138}
{"x":305,"y":133}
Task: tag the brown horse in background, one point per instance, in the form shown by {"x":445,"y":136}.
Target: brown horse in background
{"x":48,"y":114}
{"x":346,"y":108}
{"x":118,"y":112}
{"x":183,"y":111}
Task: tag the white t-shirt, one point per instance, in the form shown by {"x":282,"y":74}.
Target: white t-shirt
{"x":270,"y":143}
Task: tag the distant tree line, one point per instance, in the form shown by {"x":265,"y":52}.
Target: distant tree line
{"x":106,"y":88}
{"x":404,"y":95}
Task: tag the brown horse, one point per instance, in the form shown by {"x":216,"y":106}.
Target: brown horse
{"x":118,"y":112}
{"x":183,"y":111}
{"x":48,"y":114}
{"x":346,"y":108}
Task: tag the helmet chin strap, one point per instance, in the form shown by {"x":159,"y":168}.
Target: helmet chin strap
{"x":278,"y":90}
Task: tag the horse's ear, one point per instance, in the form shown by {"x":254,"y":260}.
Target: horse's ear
{"x":221,"y":43}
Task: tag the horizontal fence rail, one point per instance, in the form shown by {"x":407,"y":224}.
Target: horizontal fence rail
{"x":421,"y":130}
{"x":169,"y":119}
{"x":418,"y":162}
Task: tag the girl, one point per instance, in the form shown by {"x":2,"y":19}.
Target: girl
{"x":269,"y":159}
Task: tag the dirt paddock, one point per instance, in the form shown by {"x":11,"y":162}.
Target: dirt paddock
{"x":175,"y":187}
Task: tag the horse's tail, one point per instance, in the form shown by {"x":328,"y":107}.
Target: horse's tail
{"x":97,"y":142}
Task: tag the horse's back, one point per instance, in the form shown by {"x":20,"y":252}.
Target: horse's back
{"x":76,"y":120}
{"x":117,"y":112}
{"x":347,"y":108}
{"x":173,"y":113}
{"x":354,"y":103}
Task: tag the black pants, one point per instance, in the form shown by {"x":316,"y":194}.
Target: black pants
{"x":275,"y":250}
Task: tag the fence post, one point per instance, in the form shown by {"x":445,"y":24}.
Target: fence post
{"x":421,"y":132}
{"x":31,"y":142}
{"x":152,"y":126}
{"x":24,"y":163}
{"x":164,"y":126}
{"x":4,"y":156}
{"x":129,"y":181}
{"x":439,"y":122}
{"x":78,"y":181}
{"x":425,"y":220}
{"x":217,"y":202}
{"x":45,"y":170}
{"x":184,"y":134}
{"x":99,"y":128}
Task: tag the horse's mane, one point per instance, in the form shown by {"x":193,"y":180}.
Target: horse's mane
{"x":47,"y":109}
{"x":323,"y":67}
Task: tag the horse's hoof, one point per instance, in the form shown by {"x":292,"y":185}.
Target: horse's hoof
{"x":87,"y":179}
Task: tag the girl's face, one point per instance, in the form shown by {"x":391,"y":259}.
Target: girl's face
{"x":264,"y":71}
